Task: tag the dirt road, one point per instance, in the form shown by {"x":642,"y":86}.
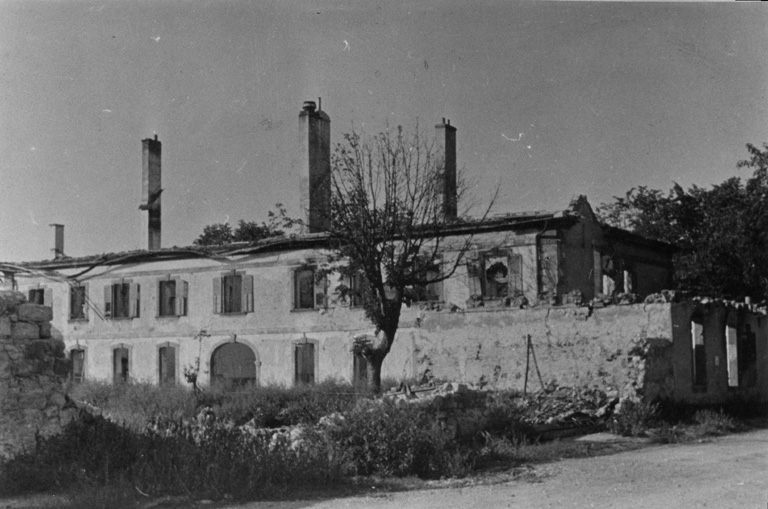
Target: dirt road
{"x":730,"y":472}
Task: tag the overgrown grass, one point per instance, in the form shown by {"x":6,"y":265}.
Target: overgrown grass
{"x":154,"y":442}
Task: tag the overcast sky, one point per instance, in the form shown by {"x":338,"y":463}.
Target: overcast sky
{"x":550,"y":99}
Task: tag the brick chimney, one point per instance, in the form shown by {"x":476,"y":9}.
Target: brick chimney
{"x":58,"y":250}
{"x":446,"y":149}
{"x":314,"y":167}
{"x":151,"y":190}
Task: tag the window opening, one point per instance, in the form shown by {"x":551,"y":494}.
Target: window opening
{"x":77,"y":303}
{"x":121,"y":365}
{"x":77,"y":356}
{"x":304,"y":355}
{"x":167,"y":365}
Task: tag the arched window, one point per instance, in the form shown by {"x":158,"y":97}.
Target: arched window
{"x":233,"y":363}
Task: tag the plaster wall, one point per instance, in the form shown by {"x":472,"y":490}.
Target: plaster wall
{"x":611,"y":348}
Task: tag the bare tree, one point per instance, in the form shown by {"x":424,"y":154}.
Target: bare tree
{"x":393,"y":220}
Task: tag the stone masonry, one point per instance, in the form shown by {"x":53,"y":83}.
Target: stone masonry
{"x":33,"y":373}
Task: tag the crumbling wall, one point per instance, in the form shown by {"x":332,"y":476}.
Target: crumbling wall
{"x":624,"y":350}
{"x":33,"y":369}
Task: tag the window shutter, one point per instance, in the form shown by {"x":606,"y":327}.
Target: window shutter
{"x":108,"y":301}
{"x":135,"y":300}
{"x":182,"y":293}
{"x":247,"y":294}
{"x":84,"y":297}
{"x":320,"y":290}
{"x":515,"y":274}
{"x":217,"y":295}
{"x":474,"y":275}
{"x":48,"y":297}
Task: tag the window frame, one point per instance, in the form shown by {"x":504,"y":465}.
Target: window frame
{"x":84,"y":305}
{"x":179,"y":299}
{"x":296,"y":346}
{"x":124,"y":376}
{"x":246,"y":293}
{"x":84,"y":351}
{"x":319,"y":298}
{"x":477,"y":273}
{"x":131,"y":299}
{"x":173,"y":380}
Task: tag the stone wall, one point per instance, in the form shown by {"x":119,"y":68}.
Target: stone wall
{"x":33,"y":371}
{"x":626,"y":350}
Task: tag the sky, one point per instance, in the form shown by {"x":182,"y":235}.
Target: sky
{"x":550,"y":100}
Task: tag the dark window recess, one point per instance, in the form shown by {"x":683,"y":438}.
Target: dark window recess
{"x":167,"y":367}
{"x":360,"y":368}
{"x":304,"y":355}
{"x":747,"y":360}
{"x":78,"y":309}
{"x":309,"y":293}
{"x":77,"y":356}
{"x":233,"y":363}
{"x":698,"y":354}
{"x":37,"y":296}
{"x":233,"y":293}
{"x":121,"y":300}
{"x":121,"y":365}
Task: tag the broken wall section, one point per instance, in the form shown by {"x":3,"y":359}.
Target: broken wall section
{"x":33,"y":372}
{"x":626,"y":350}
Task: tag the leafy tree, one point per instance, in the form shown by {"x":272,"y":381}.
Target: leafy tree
{"x":388,"y":224}
{"x":721,"y":233}
{"x":247,"y":231}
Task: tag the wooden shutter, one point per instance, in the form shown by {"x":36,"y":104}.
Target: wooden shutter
{"x":217,"y":295}
{"x":182,"y":294}
{"x":134,"y":298}
{"x":84,"y":297}
{"x":515,"y":274}
{"x":474,"y":275}
{"x":247,"y":294}
{"x":108,"y":301}
{"x":320,"y":291}
{"x":48,"y":297}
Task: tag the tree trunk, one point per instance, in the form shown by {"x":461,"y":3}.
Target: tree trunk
{"x":374,"y":372}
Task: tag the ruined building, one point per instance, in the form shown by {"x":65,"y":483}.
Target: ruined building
{"x":532,"y":291}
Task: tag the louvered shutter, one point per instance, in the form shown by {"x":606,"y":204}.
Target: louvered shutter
{"x":217,"y":295}
{"x":182,"y":297}
{"x":134,"y":298}
{"x":247,"y":294}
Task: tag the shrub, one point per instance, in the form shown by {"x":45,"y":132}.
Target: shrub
{"x":397,"y":440}
{"x":633,"y":418}
{"x":711,"y":423}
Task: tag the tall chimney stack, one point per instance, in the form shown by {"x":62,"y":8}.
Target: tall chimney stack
{"x":58,"y":250}
{"x":151,"y":190}
{"x":314,"y":166}
{"x":446,"y":151}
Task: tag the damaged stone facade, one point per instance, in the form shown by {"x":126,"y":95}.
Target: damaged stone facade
{"x":33,"y":375}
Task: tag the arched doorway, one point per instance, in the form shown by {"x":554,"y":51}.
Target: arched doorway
{"x":233,"y":363}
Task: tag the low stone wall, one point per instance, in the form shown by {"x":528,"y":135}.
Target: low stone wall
{"x":33,"y":372}
{"x":621,"y":350}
